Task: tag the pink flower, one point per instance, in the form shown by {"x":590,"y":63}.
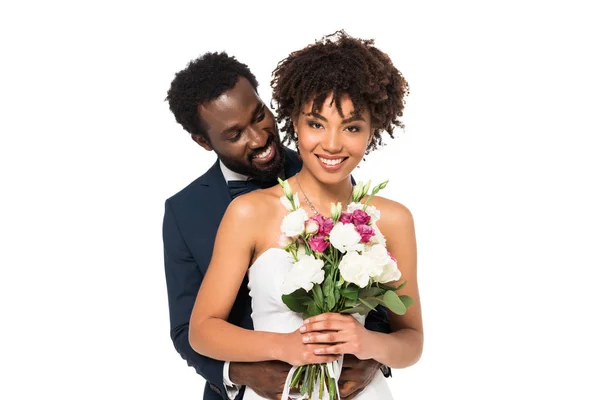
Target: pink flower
{"x":318,"y":243}
{"x":346,"y":218}
{"x":284,"y":241}
{"x":360,"y":217}
{"x":365,"y":232}
{"x":325,"y":224}
{"x":311,"y":226}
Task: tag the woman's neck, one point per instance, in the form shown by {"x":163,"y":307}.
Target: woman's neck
{"x":321,"y":195}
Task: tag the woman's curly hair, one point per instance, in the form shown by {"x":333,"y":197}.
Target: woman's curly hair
{"x":340,"y":64}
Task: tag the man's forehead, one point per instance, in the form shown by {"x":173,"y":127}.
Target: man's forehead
{"x":227,"y":110}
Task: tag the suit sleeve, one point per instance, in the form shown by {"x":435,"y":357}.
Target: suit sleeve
{"x":183,"y":281}
{"x":378,"y":320}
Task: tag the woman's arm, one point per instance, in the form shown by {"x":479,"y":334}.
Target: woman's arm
{"x":210,"y":334}
{"x":402,"y":347}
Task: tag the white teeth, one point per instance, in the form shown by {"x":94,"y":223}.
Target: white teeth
{"x":265,"y":153}
{"x":331,"y":162}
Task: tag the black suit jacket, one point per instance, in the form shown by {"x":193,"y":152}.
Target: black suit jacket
{"x":190,"y":224}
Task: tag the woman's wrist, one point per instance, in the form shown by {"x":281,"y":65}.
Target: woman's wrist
{"x":277,"y":348}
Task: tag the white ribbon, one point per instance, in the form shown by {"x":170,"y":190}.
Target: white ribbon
{"x":334,"y":368}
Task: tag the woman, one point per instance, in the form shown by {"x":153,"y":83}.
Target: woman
{"x":335,"y":98}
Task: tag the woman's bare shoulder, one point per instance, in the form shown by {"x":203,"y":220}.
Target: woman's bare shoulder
{"x":392,"y":212}
{"x":256,"y":204}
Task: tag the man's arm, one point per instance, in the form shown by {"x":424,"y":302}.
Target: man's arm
{"x":183,"y":281}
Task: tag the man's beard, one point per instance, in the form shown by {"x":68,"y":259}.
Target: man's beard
{"x":266,"y":173}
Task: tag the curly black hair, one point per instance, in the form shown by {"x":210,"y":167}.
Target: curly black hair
{"x":340,"y":64}
{"x":204,"y":79}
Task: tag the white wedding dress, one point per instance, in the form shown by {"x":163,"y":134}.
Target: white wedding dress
{"x":269,"y":312}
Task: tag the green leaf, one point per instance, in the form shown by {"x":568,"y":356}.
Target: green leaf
{"x":328,"y":286}
{"x":350,"y":292}
{"x":349,"y":303}
{"x":367,"y":303}
{"x":360,"y":309}
{"x":293,"y":303}
{"x":296,"y":301}
{"x":401,"y":285}
{"x":328,"y":291}
{"x":393,"y":302}
{"x":371,"y":292}
{"x":312,"y":310}
{"x":318,"y":292}
{"x":406,"y":300}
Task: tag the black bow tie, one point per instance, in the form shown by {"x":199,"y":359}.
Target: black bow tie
{"x":238,"y":188}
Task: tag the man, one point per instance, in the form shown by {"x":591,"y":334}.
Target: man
{"x":215,"y":100}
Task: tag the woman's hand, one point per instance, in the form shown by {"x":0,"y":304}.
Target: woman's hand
{"x":341,"y":334}
{"x":295,"y":352}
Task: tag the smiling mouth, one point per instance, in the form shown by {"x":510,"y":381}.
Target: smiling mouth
{"x":332,"y":161}
{"x":266,"y":155}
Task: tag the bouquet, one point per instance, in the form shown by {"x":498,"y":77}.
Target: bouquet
{"x":340,"y":264}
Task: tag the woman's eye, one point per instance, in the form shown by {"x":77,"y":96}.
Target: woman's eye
{"x":314,"y":125}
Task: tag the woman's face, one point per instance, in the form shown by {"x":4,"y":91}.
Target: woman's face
{"x":332,"y":145}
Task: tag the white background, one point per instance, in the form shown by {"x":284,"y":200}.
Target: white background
{"x":498,"y":162}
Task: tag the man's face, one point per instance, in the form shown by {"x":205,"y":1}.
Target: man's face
{"x":243,"y":132}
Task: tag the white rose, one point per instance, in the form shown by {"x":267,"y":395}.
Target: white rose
{"x":390,"y":273}
{"x":355,"y":269}
{"x":374,"y":213}
{"x":293,"y":223}
{"x":288,"y":204}
{"x":345,"y":238}
{"x":379,"y":257}
{"x":353,"y":206}
{"x":303,"y":274}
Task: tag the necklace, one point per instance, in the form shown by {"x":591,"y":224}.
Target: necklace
{"x":310,"y":204}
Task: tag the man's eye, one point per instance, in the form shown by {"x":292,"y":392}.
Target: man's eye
{"x":235,"y":137}
{"x":260,"y":117}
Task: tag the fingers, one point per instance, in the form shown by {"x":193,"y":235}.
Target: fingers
{"x":326,"y":325}
{"x":328,"y":317}
{"x":310,"y":356}
{"x":341,"y":348}
{"x":327,"y":337}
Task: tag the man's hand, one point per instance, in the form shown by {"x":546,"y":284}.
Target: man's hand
{"x":356,"y":375}
{"x":265,"y":378}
